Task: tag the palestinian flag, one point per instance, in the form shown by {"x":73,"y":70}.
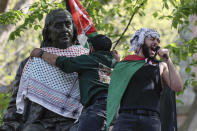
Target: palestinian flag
{"x":82,"y":20}
{"x":120,"y":78}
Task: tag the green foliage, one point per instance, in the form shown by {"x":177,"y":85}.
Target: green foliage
{"x":184,"y":51}
{"x":4,"y":97}
{"x":104,"y":14}
{"x":110,"y":17}
{"x":180,"y":17}
{"x":179,"y":101}
{"x":182,"y":11}
{"x":31,"y":19}
{"x":11,"y":17}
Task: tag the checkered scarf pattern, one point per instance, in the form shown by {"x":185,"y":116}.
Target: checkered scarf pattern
{"x":137,"y":40}
{"x":50,"y":87}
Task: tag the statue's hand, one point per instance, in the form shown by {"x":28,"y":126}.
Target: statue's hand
{"x":35,"y":52}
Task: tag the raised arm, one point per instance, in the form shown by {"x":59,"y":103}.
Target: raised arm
{"x":169,"y":73}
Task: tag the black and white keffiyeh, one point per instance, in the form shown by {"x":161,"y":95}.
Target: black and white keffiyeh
{"x":50,"y":87}
{"x":137,"y":40}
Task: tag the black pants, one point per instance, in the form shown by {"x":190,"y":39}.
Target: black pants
{"x":134,"y":122}
{"x":93,"y":117}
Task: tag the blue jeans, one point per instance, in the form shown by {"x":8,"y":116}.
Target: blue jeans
{"x":93,"y":117}
{"x":132,"y":122}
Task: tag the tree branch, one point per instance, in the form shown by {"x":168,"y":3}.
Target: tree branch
{"x":135,"y":11}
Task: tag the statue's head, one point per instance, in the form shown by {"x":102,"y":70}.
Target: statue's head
{"x":59,"y":30}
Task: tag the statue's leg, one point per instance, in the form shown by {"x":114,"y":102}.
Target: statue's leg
{"x":9,"y":127}
{"x":74,"y":127}
{"x":64,"y":125}
{"x":36,"y":127}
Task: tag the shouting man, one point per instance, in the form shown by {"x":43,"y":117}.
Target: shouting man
{"x":137,"y":82}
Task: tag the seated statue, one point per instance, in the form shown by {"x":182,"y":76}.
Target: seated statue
{"x":44,"y":98}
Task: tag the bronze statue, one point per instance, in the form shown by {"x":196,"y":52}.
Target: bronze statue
{"x":59,"y":32}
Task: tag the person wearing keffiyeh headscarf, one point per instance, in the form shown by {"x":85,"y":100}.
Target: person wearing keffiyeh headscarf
{"x":137,"y":39}
{"x":136,"y":85}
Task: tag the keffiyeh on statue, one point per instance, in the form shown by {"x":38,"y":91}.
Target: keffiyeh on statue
{"x":50,"y":87}
{"x":137,"y":40}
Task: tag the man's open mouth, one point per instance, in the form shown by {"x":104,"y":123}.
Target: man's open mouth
{"x":152,"y":50}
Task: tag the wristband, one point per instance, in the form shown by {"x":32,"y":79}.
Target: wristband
{"x":40,"y":53}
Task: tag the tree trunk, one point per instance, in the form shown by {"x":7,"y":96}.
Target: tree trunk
{"x":190,"y":116}
{"x":3,"y":5}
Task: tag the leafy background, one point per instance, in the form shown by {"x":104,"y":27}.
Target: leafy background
{"x":169,"y":17}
